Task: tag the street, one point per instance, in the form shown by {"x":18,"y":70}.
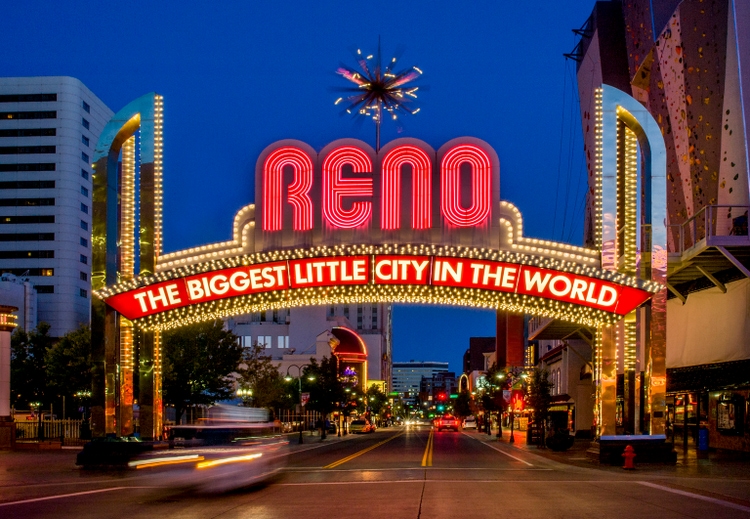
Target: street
{"x":394,"y":472}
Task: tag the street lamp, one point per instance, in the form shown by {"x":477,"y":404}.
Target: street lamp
{"x":244,"y":393}
{"x":513,"y":378}
{"x":288,"y":378}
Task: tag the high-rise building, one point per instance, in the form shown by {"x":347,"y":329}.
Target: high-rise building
{"x":48,"y":129}
{"x":407,"y":377}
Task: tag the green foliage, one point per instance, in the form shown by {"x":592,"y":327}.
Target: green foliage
{"x":257,"y":372}
{"x":375,"y":399}
{"x":198,"y":360}
{"x":69,"y":363}
{"x":326,"y":391}
{"x":539,"y":394}
{"x":28,"y":366}
{"x":462,"y":404}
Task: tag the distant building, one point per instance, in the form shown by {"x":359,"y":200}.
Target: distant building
{"x":48,"y":129}
{"x":407,"y":377}
{"x":19,"y":292}
{"x":293,"y":336}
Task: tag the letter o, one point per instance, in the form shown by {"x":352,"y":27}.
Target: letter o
{"x":560,"y":293}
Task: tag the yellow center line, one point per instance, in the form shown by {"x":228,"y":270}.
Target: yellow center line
{"x":360,"y":453}
{"x":427,"y":457}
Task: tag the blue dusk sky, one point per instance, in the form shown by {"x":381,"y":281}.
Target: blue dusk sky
{"x":238,"y":75}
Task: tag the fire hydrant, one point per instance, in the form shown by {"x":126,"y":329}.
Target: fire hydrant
{"x":629,"y":454}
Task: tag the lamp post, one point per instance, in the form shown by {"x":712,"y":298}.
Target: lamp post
{"x":244,"y":394}
{"x":288,"y":378}
{"x":513,"y":377}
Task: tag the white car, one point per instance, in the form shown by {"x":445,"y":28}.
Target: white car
{"x":470,"y":422}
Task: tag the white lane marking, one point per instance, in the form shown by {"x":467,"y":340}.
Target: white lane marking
{"x":63,"y":496}
{"x":721,"y":502}
{"x":498,"y":450}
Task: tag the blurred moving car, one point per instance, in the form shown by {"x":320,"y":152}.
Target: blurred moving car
{"x":470,"y":422}
{"x":361,"y":426}
{"x":208,"y":457}
{"x":447,"y":422}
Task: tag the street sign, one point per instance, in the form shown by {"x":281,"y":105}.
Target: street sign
{"x":304,"y":398}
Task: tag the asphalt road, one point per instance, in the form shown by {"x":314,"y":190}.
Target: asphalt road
{"x":392,"y":473}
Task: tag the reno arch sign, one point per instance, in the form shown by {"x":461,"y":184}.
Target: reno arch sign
{"x":406,"y":193}
{"x":407,"y":224}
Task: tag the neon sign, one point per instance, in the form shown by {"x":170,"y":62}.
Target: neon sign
{"x":352,"y":187}
{"x":412,"y":270}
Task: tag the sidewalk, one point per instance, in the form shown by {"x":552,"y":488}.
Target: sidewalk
{"x":712,"y":464}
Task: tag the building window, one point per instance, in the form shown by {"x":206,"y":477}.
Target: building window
{"x":85,"y":122}
{"x":265,"y":341}
{"x":346,"y":312}
{"x":19,"y":254}
{"x":84,"y":157}
{"x":331,"y":311}
{"x":374,"y":311}
{"x":86,"y":107}
{"x":83,"y":276}
{"x":84,"y":191}
{"x":26,"y":150}
{"x":29,"y":132}
{"x":28,"y":184}
{"x":84,"y":259}
{"x":84,"y":242}
{"x":84,"y":225}
{"x":263,"y":318}
{"x":275,"y":316}
{"x":26,"y":202}
{"x":84,"y":208}
{"x":85,"y":140}
{"x":45,"y":289}
{"x":85,"y":174}
{"x":33,"y":166}
{"x":49,"y":218}
{"x":23,"y":272}
{"x":28,"y":236}
{"x":83,"y":292}
{"x":27,"y":98}
{"x":28,"y":115}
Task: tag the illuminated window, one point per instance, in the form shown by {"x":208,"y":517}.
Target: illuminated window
{"x":28,"y":115}
{"x":265,"y":341}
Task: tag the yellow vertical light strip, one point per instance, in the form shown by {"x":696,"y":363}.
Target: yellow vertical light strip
{"x":630,"y":171}
{"x":127,"y":211}
{"x":157,"y":406}
{"x":629,"y":347}
{"x":598,"y":379}
{"x":158,"y":170}
{"x":598,"y":168}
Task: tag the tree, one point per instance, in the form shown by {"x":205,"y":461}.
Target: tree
{"x":462,"y":406}
{"x":539,"y":394}
{"x":326,"y":391}
{"x":257,"y":372}
{"x":28,"y":356}
{"x":198,"y":360}
{"x":69,"y":364}
{"x":375,"y":399}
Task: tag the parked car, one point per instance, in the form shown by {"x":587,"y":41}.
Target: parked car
{"x":360,"y":426}
{"x":470,"y":422}
{"x":447,"y":422}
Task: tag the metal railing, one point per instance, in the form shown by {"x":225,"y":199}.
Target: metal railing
{"x":710,"y":222}
{"x":66,"y":431}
